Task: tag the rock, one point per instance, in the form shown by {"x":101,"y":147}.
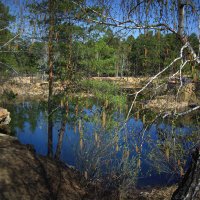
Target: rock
{"x":187,"y":94}
{"x":4,"y":117}
{"x":37,"y":84}
{"x":5,"y":129}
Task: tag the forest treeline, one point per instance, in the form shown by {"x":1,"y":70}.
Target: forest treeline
{"x":90,"y":50}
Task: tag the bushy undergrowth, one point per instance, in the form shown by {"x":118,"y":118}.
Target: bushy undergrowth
{"x":105,"y":91}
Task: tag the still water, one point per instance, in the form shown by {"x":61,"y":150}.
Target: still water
{"x":139,"y":152}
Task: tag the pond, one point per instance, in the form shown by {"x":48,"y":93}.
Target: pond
{"x":97,"y":142}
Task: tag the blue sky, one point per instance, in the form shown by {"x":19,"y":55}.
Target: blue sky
{"x":17,"y":8}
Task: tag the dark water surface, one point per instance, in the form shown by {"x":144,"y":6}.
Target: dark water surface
{"x":152,"y":157}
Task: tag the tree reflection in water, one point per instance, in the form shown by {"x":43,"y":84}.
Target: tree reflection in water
{"x":94,"y":140}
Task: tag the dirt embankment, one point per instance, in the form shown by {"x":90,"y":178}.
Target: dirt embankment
{"x":32,"y":87}
{"x":29,"y":87}
{"x":24,"y":87}
{"x":24,"y":176}
{"x":163,"y":99}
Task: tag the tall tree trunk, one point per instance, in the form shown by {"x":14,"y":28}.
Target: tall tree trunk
{"x":69,"y":75}
{"x":69,"y":43}
{"x":69,"y":63}
{"x":180,"y":18}
{"x":181,"y":34}
{"x":62,"y":131}
{"x":60,"y":138}
{"x":50,"y":63}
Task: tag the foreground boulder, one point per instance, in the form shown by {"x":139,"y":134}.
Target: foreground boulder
{"x":4,"y":121}
{"x":4,"y":117}
{"x":24,"y":176}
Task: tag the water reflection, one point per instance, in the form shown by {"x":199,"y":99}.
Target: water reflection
{"x":95,"y":143}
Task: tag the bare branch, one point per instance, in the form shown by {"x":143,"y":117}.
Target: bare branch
{"x":181,"y":81}
{"x":188,"y":111}
{"x":154,"y":77}
{"x":182,"y":113}
{"x":196,"y":58}
{"x":10,"y":40}
{"x":124,"y":24}
{"x":9,"y":67}
{"x":2,"y":29}
{"x":189,"y":3}
{"x":134,"y":8}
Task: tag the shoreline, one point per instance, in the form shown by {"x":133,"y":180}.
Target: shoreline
{"x":23,"y":88}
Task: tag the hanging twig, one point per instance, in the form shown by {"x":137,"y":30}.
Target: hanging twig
{"x":10,"y":40}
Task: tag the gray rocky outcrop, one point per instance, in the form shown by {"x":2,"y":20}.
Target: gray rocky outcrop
{"x":4,"y":121}
{"x":4,"y":117}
